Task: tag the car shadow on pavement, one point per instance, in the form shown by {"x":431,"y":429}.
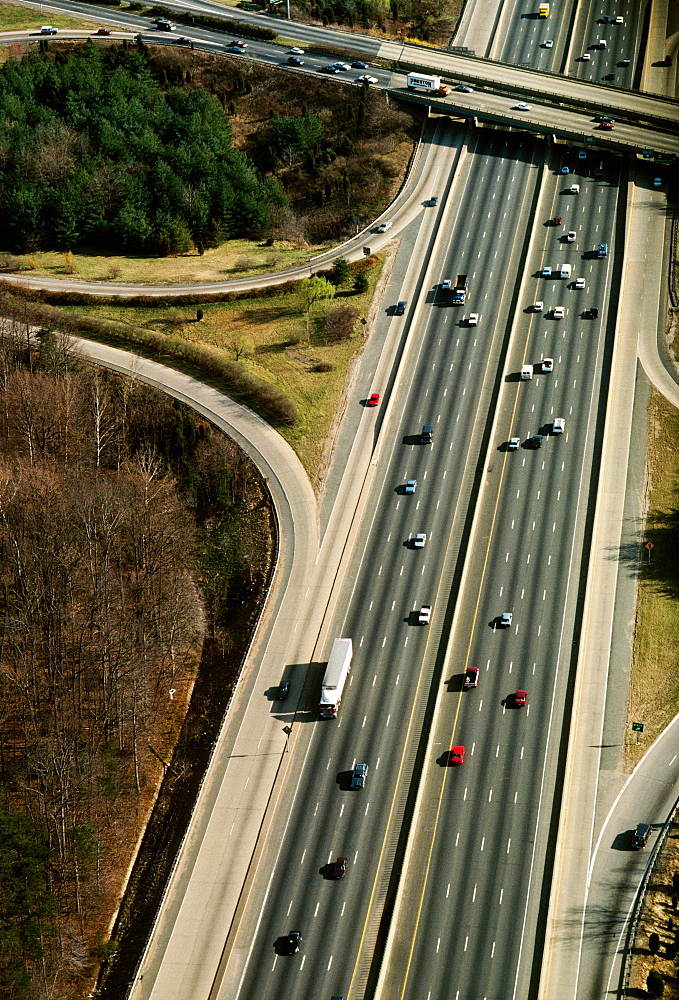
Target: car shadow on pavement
{"x":343,"y":780}
{"x":454,"y":683}
{"x":623,"y":841}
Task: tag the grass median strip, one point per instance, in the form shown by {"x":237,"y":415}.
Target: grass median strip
{"x":654,"y":688}
{"x":306,"y":357}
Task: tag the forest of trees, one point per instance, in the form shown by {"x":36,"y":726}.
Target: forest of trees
{"x":93,"y":150}
{"x":125,"y":525}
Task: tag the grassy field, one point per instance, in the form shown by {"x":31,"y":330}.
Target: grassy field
{"x":234,"y":259}
{"x":654,"y":691}
{"x":22,"y":19}
{"x":272,"y":334}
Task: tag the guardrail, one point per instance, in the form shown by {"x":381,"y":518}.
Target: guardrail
{"x":638,"y":903}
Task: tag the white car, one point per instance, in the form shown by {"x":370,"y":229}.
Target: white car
{"x":506,"y":619}
{"x":558,"y":312}
{"x":342,"y":66}
{"x":296,"y":51}
{"x":424,"y":616}
{"x":419,"y":540}
{"x":618,"y":20}
{"x":585,"y":57}
{"x":570,"y":236}
{"x":513,"y":444}
{"x":547,"y":365}
{"x":367,"y":79}
{"x":579,"y":282}
{"x":522,"y":107}
{"x":538,"y":307}
{"x":473,"y":319}
{"x":384,"y":226}
{"x":548,"y":44}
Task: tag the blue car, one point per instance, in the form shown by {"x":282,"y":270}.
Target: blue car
{"x":411,"y":485}
{"x":565,"y":170}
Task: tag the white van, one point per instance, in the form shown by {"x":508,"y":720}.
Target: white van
{"x":526,"y":371}
{"x":47,"y":29}
{"x":565,"y":271}
{"x":574,"y":189}
{"x":558,"y":425}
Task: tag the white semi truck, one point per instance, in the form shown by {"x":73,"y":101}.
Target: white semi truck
{"x":335,"y":678}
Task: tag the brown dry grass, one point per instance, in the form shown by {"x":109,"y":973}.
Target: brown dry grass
{"x":654,"y":687}
{"x":660,"y":916}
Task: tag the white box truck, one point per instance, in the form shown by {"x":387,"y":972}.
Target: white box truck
{"x":336,"y":674}
{"x":565,"y":271}
{"x":430,"y":84}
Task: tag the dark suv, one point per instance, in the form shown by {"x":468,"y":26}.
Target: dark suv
{"x":401,"y":308}
{"x":292,"y":942}
{"x":640,"y":836}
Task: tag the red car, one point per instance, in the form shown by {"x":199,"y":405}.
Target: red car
{"x":457,"y":755}
{"x":520,"y":698}
{"x":557,"y":221}
{"x":103,"y":31}
{"x":607,"y":126}
{"x":339,"y":868}
{"x":374,"y":399}
{"x":241,"y":45}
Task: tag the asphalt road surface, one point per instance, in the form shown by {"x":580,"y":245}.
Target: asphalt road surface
{"x":453,"y":377}
{"x":467,"y":923}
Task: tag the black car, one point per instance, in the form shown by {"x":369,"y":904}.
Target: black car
{"x":234,"y":48}
{"x":183,"y":40}
{"x":359,"y":65}
{"x":329,"y":69}
{"x":536,"y":441}
{"x":401,"y":308}
{"x":283,"y":690}
{"x":292,"y":942}
{"x":594,"y":312}
{"x":434,"y":200}
{"x":295,"y":61}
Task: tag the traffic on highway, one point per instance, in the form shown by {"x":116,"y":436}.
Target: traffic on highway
{"x":410,"y":840}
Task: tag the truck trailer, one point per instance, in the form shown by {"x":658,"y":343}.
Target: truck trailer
{"x":336,"y":674}
{"x":460,"y":290}
{"x":429,"y":84}
{"x":420,"y":81}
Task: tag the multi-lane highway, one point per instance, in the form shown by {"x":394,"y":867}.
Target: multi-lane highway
{"x":546,"y":80}
{"x":527,"y":566}
{"x":468,"y":921}
{"x":506,"y":531}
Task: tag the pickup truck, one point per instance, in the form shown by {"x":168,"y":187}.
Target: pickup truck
{"x":471,"y":678}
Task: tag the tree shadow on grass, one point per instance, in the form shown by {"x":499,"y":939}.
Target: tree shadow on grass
{"x":658,"y":565}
